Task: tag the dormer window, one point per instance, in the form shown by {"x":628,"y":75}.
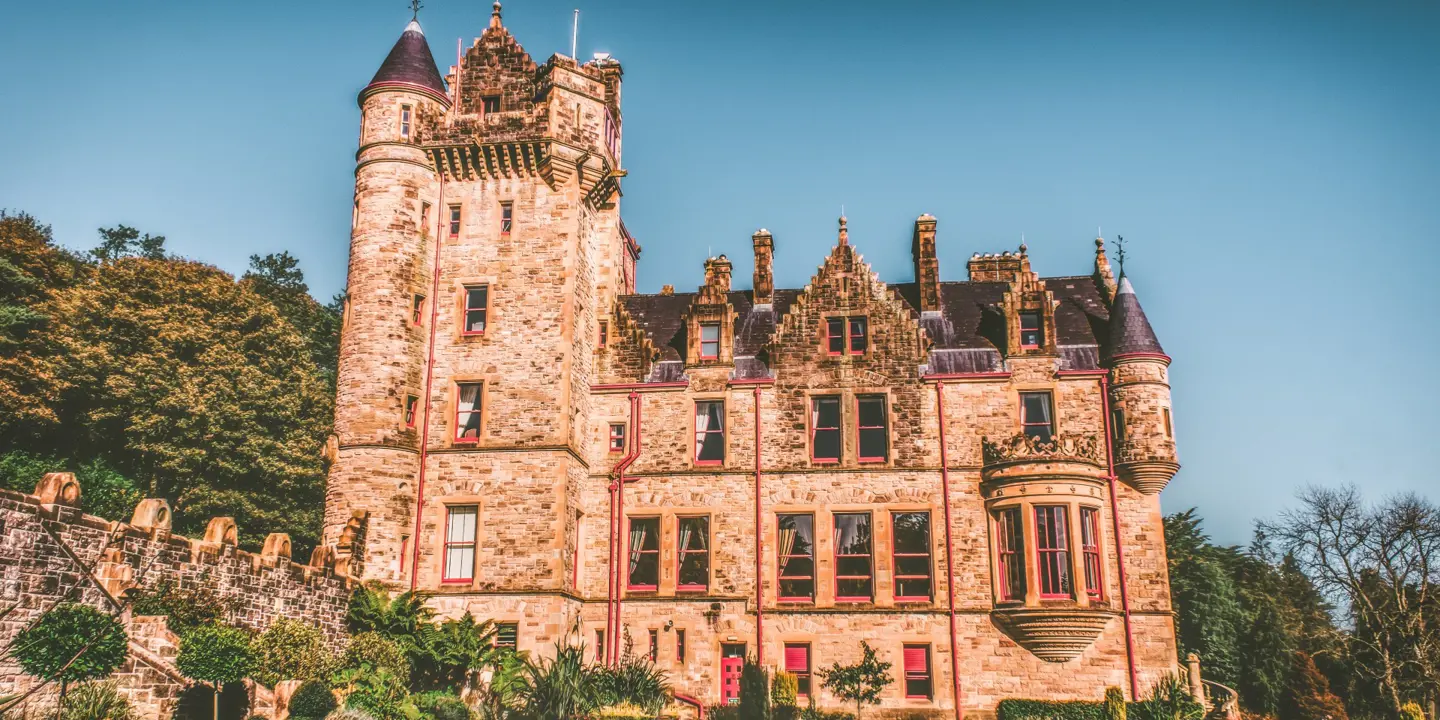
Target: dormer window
{"x":1032,"y":331}
{"x":1035,"y":416}
{"x":490,"y":104}
{"x":407,"y":114}
{"x":847,"y":335}
{"x":709,"y":340}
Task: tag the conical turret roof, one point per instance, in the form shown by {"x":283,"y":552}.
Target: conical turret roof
{"x":410,"y":65}
{"x":1130,"y":331}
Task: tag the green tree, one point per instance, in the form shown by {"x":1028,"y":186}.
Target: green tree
{"x":754,"y":692}
{"x":215,"y":654}
{"x":291,"y":650}
{"x":71,"y":642}
{"x":860,"y":683}
{"x":32,"y":270}
{"x":124,"y":241}
{"x":1308,"y":696}
{"x":1264,"y":661}
{"x":278,"y":278}
{"x":313,"y":700}
{"x":185,"y":608}
{"x":103,"y":490}
{"x":371,"y":651}
{"x":1209,"y":612}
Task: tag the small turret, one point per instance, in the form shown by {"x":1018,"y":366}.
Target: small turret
{"x":1143,"y":429}
{"x":409,"y":66}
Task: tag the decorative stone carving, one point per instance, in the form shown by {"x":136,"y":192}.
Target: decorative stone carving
{"x":1021,"y":447}
{"x":221,"y":531}
{"x":59,"y":489}
{"x":277,"y":545}
{"x":152,"y":514}
{"x":1053,"y":634}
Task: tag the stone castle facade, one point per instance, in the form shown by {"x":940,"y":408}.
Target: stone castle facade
{"x":963,"y":474}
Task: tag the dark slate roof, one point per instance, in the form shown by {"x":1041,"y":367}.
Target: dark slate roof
{"x":1131,"y":330}
{"x":410,"y":63}
{"x":967,"y":332}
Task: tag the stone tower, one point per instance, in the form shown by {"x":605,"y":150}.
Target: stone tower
{"x":1143,"y":430}
{"x":487,"y":241}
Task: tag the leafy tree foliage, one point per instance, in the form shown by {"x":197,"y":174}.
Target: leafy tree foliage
{"x":71,"y":642}
{"x":1202,"y":589}
{"x":185,"y":608}
{"x":371,"y":651}
{"x":1308,"y":696}
{"x":215,"y":654}
{"x":311,"y":701}
{"x":291,"y":650}
{"x":123,"y":241}
{"x":860,"y":683}
{"x":103,"y":490}
{"x":278,"y":279}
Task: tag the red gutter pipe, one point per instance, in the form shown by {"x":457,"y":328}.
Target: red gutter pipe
{"x":617,"y":499}
{"x":425,"y":424}
{"x":949,"y":547}
{"x":1119,"y":546}
{"x":699,"y":706}
{"x":759,"y":547}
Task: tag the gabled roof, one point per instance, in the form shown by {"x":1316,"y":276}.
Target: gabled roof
{"x":410,"y":64}
{"x":1130,"y":331}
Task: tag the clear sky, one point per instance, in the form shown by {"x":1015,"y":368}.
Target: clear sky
{"x":1275,"y":167}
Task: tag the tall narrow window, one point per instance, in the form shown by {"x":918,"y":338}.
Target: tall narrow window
{"x":507,"y":216}
{"x":468,"y":399}
{"x":680,"y":645}
{"x":604,"y":333}
{"x":410,"y":404}
{"x":1035,"y":415}
{"x":1031,"y":330}
{"x":1117,"y":426}
{"x":835,"y":335}
{"x":1169,"y":432}
{"x":654,"y":645}
{"x":406,"y":117}
{"x":911,"y":555}
{"x":825,"y":429}
{"x":417,"y":309}
{"x":477,"y":301}
{"x":917,"y":672}
{"x":617,"y":438}
{"x":873,"y":428}
{"x":797,"y":663}
{"x":1010,"y":537}
{"x":859,"y":329}
{"x":693,"y":548}
{"x":709,"y":432}
{"x":795,"y":557}
{"x":853,"y":571}
{"x":424,"y":218}
{"x":404,"y":552}
{"x":709,"y":340}
{"x":1090,"y":547}
{"x":490,"y":103}
{"x":644,"y":553}
{"x":507,"y":635}
{"x":1052,"y":550}
{"x":454,"y":221}
{"x":599,"y":646}
{"x":460,"y":543}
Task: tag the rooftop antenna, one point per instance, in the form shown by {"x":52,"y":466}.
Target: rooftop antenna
{"x":1120,"y":252}
{"x":415,"y":6}
{"x":575,"y":36}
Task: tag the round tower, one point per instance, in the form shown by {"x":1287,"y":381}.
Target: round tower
{"x":385,"y":333}
{"x":1144,"y":430}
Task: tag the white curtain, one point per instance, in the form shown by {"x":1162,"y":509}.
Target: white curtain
{"x":637,"y":541}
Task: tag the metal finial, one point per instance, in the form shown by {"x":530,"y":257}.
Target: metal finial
{"x":415,"y":6}
{"x":1120,"y":252}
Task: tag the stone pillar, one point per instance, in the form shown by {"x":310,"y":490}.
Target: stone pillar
{"x":1197,"y":687}
{"x":764,"y":266}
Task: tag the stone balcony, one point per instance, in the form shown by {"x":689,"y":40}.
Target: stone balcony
{"x":1065,"y":456}
{"x":1053,"y":634}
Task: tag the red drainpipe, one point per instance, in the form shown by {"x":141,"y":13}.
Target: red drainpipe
{"x":759,"y":547}
{"x":616,"y":508}
{"x":429,"y":378}
{"x":620,"y":481}
{"x":699,"y":707}
{"x":949,"y":548}
{"x":1119,"y":546}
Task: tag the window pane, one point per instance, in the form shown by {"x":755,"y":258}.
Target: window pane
{"x":872,"y":412}
{"x":797,"y":588}
{"x":644,"y":543}
{"x":460,"y":563}
{"x":827,"y":445}
{"x":912,"y":532}
{"x":476,"y":302}
{"x":462,"y":525}
{"x":852,"y":533}
{"x":709,"y":332}
{"x":1037,"y":407}
{"x":827,"y":412}
{"x":794,"y":556}
{"x":874,"y":444}
{"x":858,"y":339}
{"x":695,"y":569}
{"x":835,"y":335}
{"x":912,"y":587}
{"x":852,"y":588}
{"x":694,"y":533}
{"x":710,"y":431}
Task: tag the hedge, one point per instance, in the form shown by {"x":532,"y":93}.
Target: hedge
{"x":1087,"y":710}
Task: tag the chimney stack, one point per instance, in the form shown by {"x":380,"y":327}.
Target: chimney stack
{"x":927,"y":266}
{"x":717,"y":274}
{"x":764,"y":266}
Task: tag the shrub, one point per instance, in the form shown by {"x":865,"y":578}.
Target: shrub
{"x":438,"y":705}
{"x":349,"y":714}
{"x":860,"y":683}
{"x":380,"y":693}
{"x":373,"y":651}
{"x":636,"y":681}
{"x":312,"y":701}
{"x":1012,"y":709}
{"x":785,"y":689}
{"x":754,"y":692}
{"x":813,"y":714}
{"x":1308,"y":696}
{"x":95,"y":641}
{"x":291,"y":650}
{"x":1114,"y":704}
{"x":96,"y":701}
{"x":184,"y":608}
{"x":1411,"y":711}
{"x":623,"y":711}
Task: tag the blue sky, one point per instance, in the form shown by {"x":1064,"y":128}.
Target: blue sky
{"x":1275,"y":167}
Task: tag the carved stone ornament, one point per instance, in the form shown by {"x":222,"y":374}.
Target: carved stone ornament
{"x":1053,"y":635}
{"x":1021,"y":447}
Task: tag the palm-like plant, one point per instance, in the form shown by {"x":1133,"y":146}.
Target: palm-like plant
{"x":560,"y":689}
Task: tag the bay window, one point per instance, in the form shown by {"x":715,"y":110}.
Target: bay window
{"x":853,"y":570}
{"x":1052,"y":550}
{"x":795,"y":557}
{"x":911,"y":555}
{"x":1010,"y":537}
{"x":1090,"y":548}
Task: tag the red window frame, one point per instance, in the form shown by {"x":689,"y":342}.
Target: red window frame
{"x":507,"y":217}
{"x":868,"y":554}
{"x":681,"y":553}
{"x":1037,"y":327}
{"x":835,"y":336}
{"x":617,"y":438}
{"x":464,"y":416}
{"x":454,"y":221}
{"x":412,"y":403}
{"x":861,"y":428}
{"x":1090,"y":551}
{"x":599,"y":645}
{"x":636,"y":554}
{"x":451,"y":544}
{"x":424,"y":218}
{"x":680,"y":645}
{"x":417,"y":310}
{"x":477,"y":307}
{"x":507,"y":634}
{"x":709,"y":347}
{"x":1010,"y":551}
{"x":604,"y":333}
{"x":896,"y":556}
{"x":1044,"y":428}
{"x":919,"y":685}
{"x":1052,"y":551}
{"x":816,"y":428}
{"x":782,"y":560}
{"x":847,"y":335}
{"x":702,"y":436}
{"x":797,"y":663}
{"x":404,"y":551}
{"x":407,"y":118}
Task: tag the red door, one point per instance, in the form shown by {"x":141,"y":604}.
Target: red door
{"x":732,"y":659}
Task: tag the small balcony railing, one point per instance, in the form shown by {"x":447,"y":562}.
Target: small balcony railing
{"x":1020,"y":447}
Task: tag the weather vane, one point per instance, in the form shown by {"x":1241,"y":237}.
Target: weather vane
{"x":1120,"y":252}
{"x":415,"y":6}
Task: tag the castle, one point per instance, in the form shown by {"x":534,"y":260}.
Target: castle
{"x":965,"y":475}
